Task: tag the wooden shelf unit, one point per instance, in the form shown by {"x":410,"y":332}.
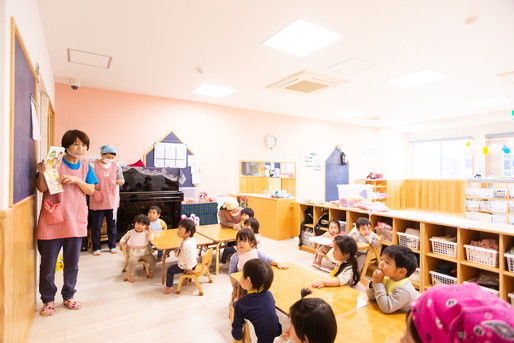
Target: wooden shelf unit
{"x":434,"y":225}
{"x":491,"y":215}
{"x":259,"y":182}
{"x":379,"y":186}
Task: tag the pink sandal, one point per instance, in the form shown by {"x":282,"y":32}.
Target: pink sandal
{"x":48,"y":309}
{"x":72,"y":304}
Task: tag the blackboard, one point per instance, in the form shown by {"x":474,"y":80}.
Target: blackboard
{"x":24,"y":87}
{"x":335,"y":174}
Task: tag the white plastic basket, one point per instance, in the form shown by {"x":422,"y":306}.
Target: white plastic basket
{"x":415,"y":276}
{"x":442,"y":279}
{"x":485,"y":205}
{"x":489,"y":257}
{"x":510,"y":261}
{"x":511,"y":296}
{"x":499,"y":206}
{"x":487,"y":289}
{"x":440,"y":246}
{"x":471,"y":215}
{"x":472,"y":204}
{"x":409,"y":241}
{"x":511,"y":204}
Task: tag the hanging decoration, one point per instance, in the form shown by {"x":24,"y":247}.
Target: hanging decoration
{"x":485,"y":150}
{"x":506,"y":149}
{"x":468,"y":144}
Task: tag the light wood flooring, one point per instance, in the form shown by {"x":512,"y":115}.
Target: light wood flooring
{"x":117,"y":311}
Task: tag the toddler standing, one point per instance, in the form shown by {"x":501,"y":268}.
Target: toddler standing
{"x":136,"y":243}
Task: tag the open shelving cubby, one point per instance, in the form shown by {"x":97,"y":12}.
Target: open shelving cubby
{"x":335,"y":214}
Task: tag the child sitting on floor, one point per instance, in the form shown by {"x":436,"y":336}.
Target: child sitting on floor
{"x":346,"y":273}
{"x":258,"y":305}
{"x":459,"y":313}
{"x":186,"y":254}
{"x":334,"y":229}
{"x":136,"y":242}
{"x":312,"y":321}
{"x":391,"y":287}
{"x":362,"y":233}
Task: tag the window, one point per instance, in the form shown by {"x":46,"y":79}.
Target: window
{"x":500,"y":164}
{"x":447,"y":159}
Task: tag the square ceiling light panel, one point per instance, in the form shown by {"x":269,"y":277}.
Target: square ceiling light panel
{"x":351,"y":66}
{"x":89,"y":58}
{"x":209,"y":89}
{"x":301,"y":38}
{"x":489,"y":102}
{"x":418,"y":78}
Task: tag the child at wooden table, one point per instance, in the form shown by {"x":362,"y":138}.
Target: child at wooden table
{"x":136,"y":243}
{"x":459,"y":313}
{"x":334,"y":229}
{"x":391,"y":286}
{"x":186,"y":254}
{"x":346,"y":273}
{"x":312,"y":321}
{"x":362,"y":233}
{"x":258,"y":305}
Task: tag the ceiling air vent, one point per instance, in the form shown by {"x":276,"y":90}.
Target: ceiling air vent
{"x":306,"y":82}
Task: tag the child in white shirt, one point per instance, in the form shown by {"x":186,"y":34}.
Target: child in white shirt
{"x":186,"y":254}
{"x":362,"y":233}
{"x":136,"y":242}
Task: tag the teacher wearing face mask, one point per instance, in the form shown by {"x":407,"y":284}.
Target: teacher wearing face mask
{"x":105,"y":199}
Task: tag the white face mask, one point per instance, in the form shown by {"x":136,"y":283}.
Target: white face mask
{"x":107,"y":161}
{"x":76,"y":156}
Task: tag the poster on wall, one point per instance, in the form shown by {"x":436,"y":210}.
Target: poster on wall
{"x":172,"y":155}
{"x":312,"y":162}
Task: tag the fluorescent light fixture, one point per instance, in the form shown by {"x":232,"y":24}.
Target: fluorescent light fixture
{"x":213,"y":90}
{"x":489,"y":102}
{"x":347,"y":114}
{"x":418,"y":78}
{"x":301,"y":38}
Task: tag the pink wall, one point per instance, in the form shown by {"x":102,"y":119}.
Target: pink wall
{"x":221,"y":136}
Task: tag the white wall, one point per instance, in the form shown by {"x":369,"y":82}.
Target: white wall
{"x":26,"y":15}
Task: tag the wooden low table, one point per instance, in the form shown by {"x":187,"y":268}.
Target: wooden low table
{"x":219,"y":235}
{"x":358,"y":319}
{"x":168,"y":240}
{"x":370,"y":324}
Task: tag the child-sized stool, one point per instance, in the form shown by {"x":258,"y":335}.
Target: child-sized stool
{"x":145,"y":264}
{"x":200,"y":270}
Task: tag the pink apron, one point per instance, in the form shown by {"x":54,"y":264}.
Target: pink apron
{"x":105,"y":190}
{"x":64,"y":215}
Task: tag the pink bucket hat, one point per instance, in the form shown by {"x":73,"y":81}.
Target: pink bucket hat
{"x":462,"y":313}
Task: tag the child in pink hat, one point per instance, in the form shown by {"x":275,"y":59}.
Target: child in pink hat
{"x":459,"y":313}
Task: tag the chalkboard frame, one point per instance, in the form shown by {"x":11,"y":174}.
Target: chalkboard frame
{"x":14,"y":165}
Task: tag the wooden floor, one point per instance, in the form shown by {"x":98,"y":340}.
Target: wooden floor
{"x":116,"y":311}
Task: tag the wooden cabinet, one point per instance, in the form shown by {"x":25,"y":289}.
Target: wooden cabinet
{"x":434,"y":252}
{"x":260,"y":176}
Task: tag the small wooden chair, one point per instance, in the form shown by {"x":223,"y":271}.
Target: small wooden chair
{"x":145,"y":264}
{"x":247,"y":327}
{"x":200,"y":270}
{"x":373,"y":253}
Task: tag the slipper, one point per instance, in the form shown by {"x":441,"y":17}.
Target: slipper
{"x":72,"y":304}
{"x":47,"y":310}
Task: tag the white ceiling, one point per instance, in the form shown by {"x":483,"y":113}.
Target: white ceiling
{"x":156,"y":45}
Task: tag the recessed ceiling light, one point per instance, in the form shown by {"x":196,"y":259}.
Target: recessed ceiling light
{"x":418,"y":78}
{"x":489,"y":102}
{"x":213,"y":90}
{"x":301,"y":38}
{"x":347,"y":114}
